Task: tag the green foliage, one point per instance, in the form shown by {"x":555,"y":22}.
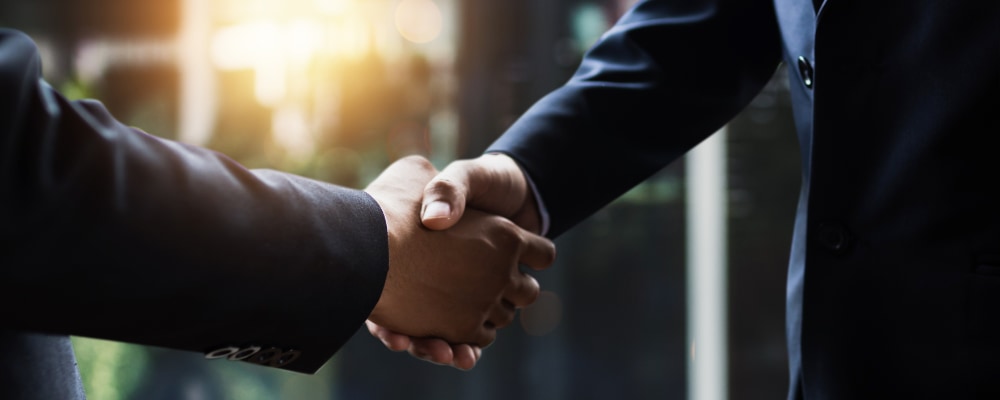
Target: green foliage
{"x":110,"y":370}
{"x":75,"y":89}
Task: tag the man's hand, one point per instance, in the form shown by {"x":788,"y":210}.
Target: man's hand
{"x":437,"y":351}
{"x":460,"y":284}
{"x":493,"y":183}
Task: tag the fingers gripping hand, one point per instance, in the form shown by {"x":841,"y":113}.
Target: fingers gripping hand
{"x":538,"y":254}
{"x":459,"y":285}
{"x":461,"y":356}
{"x":492,"y":183}
{"x":437,"y":351}
{"x":433,"y":350}
{"x":459,"y":281}
{"x":521,"y":291}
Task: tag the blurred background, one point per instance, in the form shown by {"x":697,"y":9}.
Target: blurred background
{"x":338,"y":89}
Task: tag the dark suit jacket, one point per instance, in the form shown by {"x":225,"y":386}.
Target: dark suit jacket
{"x":106,"y":231}
{"x":894,"y":280}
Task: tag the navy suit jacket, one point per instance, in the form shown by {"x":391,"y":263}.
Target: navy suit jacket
{"x":894,"y":279}
{"x":109,"y":232}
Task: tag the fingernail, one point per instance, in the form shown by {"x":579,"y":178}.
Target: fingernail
{"x":437,"y":209}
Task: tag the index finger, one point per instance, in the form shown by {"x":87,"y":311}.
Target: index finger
{"x":537,"y":252}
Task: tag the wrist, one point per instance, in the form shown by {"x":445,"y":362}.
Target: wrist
{"x":378,"y":312}
{"x":531,"y":215}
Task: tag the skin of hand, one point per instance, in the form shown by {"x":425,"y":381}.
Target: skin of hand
{"x":492,"y":183}
{"x":459,"y":284}
{"x":436,"y":351}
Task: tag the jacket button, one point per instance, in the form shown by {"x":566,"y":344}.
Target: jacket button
{"x":222,"y":352}
{"x":244,"y":353}
{"x":806,"y":71}
{"x":265,"y":356}
{"x":834,"y":237}
{"x":286,"y":358}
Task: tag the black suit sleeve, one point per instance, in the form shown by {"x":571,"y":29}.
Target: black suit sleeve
{"x":665,"y":77}
{"x":109,"y":232}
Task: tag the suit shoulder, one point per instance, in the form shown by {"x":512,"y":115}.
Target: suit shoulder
{"x":18,"y":60}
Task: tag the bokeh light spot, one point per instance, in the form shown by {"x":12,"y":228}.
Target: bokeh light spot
{"x":542,"y":317}
{"x":419,"y":21}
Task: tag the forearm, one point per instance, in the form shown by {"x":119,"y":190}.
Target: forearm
{"x":110,"y":232}
{"x":666,"y":76}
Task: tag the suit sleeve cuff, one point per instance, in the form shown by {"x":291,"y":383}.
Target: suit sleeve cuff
{"x":539,"y":202}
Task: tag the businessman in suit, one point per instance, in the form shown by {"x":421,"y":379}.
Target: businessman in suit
{"x":894,"y":278}
{"x":108,"y":232}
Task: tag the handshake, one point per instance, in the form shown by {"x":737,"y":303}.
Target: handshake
{"x":456,"y":243}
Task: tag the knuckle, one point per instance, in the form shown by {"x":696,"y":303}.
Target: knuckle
{"x":510,"y":229}
{"x":505,"y":233}
{"x":532,"y":290}
{"x":549,"y":253}
{"x":441,"y":185}
{"x":487,"y":338}
{"x":515,"y":285}
{"x":505,"y":318}
{"x":444,"y":187}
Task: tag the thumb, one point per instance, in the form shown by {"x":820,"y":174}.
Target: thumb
{"x":493,"y":183}
{"x":445,"y":197}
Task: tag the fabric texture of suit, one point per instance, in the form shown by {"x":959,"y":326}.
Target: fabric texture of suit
{"x":894,"y":277}
{"x":108,"y":232}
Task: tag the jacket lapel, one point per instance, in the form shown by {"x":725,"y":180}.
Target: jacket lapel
{"x":797,"y":19}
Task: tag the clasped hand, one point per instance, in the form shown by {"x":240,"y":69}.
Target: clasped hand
{"x":454,"y":275}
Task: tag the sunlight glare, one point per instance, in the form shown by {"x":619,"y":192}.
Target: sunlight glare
{"x":331,"y":7}
{"x":305,"y":39}
{"x":419,"y":21}
{"x":243,"y":46}
{"x":270,"y":85}
{"x":284,"y":43}
{"x":290,"y":126}
{"x":353,"y":39}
